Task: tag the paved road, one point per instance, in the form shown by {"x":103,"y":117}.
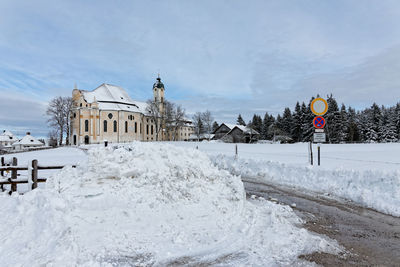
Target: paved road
{"x":370,"y":238}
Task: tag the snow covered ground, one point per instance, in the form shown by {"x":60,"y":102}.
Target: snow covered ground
{"x":148,"y":203}
{"x":368,"y":174}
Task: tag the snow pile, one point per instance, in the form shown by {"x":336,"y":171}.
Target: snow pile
{"x":374,"y":189}
{"x":148,"y":204}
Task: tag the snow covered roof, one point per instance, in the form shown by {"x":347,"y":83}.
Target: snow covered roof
{"x":202,"y":136}
{"x":7,"y":136}
{"x":230,"y":126}
{"x":244,"y":129}
{"x":8,"y":133}
{"x":28,"y":140}
{"x":112,"y":97}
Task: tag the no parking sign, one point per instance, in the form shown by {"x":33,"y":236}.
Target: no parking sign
{"x":319,"y":122}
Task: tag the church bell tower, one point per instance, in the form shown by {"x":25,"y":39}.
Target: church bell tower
{"x":158,"y":91}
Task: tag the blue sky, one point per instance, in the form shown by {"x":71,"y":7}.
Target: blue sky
{"x":226,"y":56}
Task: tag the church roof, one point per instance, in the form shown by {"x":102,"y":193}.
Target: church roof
{"x":112,"y":97}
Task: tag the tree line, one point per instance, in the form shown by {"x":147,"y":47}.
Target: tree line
{"x":343,"y":125}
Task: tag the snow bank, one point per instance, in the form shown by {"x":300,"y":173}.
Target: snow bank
{"x":148,"y":204}
{"x":379,"y":190}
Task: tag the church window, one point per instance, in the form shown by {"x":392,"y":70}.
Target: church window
{"x":115,"y":126}
{"x":147,"y":129}
{"x":140,"y":128}
{"x":135,"y":127}
{"x":81,"y":104}
{"x":86,"y":125}
{"x":105,"y":126}
{"x":126,"y":126}
{"x":151,"y":129}
{"x":74,"y":115}
{"x":110,"y":116}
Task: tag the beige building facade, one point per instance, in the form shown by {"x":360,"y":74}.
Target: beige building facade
{"x":109,"y":114}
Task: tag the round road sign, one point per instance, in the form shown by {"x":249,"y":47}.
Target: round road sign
{"x":319,"y":122}
{"x":319,"y":106}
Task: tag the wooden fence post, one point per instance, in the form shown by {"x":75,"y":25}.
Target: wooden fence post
{"x":236,"y":151}
{"x":34,"y":174}
{"x":2,"y":172}
{"x":2,"y":164}
{"x":14,"y":174}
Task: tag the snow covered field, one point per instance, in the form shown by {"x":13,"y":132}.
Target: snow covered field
{"x":148,"y":203}
{"x":368,"y":174}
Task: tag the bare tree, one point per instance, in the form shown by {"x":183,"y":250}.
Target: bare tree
{"x":169,"y":109}
{"x":179,"y":119}
{"x":68,"y":108}
{"x":58,"y":111}
{"x":207,"y":121}
{"x":159,"y":117}
{"x":198,"y":124}
{"x":53,"y":136}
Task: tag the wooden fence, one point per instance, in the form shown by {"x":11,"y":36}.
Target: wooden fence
{"x":32,"y":173}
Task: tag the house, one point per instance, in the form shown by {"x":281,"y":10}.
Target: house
{"x":230,"y":133}
{"x":222,"y":130}
{"x":108,"y":113}
{"x":27,"y":142}
{"x":241,"y":134}
{"x":6,"y":140}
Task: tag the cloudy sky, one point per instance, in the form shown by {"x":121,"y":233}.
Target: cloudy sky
{"x":228,"y":57}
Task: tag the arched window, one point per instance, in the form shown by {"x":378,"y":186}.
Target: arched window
{"x":86,"y":125}
{"x":115,"y":126}
{"x":140,"y":128}
{"x":151,"y":129}
{"x":126,"y":126}
{"x":147,"y":129}
{"x":105,"y":126}
{"x":135,"y":127}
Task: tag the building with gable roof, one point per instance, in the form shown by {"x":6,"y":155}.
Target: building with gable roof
{"x":108,"y":113}
{"x":27,"y":142}
{"x":231,"y":133}
{"x":7,"y":139}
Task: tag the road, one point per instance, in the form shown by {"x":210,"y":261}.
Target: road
{"x":370,"y":238}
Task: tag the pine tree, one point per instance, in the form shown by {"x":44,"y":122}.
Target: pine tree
{"x":353,"y":132}
{"x":333,"y":121}
{"x":297,"y":131}
{"x":388,"y":129}
{"x":257,"y":123}
{"x":266,"y":124}
{"x":308,"y":116}
{"x":240,"y":120}
{"x":215,"y":126}
{"x":344,"y":125}
{"x":374,"y":123}
{"x":287,"y":122}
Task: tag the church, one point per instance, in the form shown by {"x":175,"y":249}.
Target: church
{"x":109,"y":114}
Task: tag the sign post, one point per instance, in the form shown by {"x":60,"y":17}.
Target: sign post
{"x":319,"y":107}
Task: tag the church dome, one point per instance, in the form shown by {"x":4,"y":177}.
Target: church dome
{"x":158,"y":83}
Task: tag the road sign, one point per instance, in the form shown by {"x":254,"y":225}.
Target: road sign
{"x":319,"y":122}
{"x":319,"y":130}
{"x":319,"y":138}
{"x":319,"y":106}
